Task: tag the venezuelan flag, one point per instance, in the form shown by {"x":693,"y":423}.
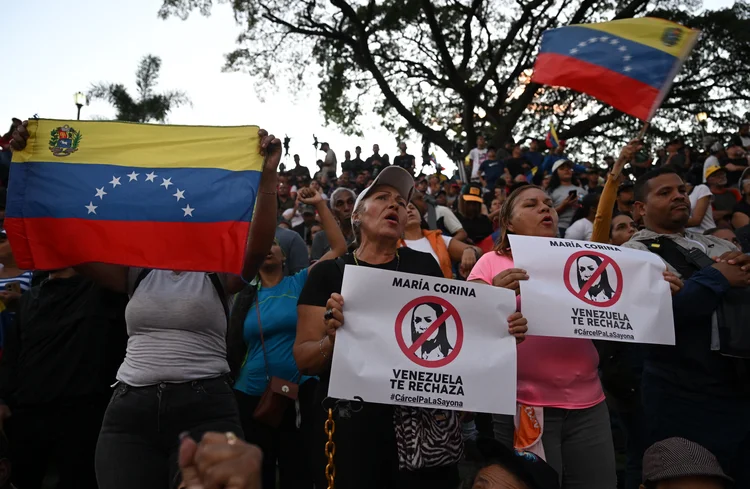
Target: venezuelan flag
{"x":629,"y":64}
{"x":552,"y":140}
{"x":156,"y":196}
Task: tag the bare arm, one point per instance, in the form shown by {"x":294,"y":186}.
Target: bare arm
{"x":311,"y":339}
{"x":460,"y":235}
{"x":457,"y":248}
{"x":740,"y":219}
{"x":699,"y":212}
{"x":330,"y":226}
{"x":262,"y":230}
{"x":603,"y":219}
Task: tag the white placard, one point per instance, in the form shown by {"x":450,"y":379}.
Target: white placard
{"x":424,"y":342}
{"x":578,"y":289}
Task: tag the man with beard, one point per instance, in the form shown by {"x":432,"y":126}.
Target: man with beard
{"x":691,"y":390}
{"x":342,"y":204}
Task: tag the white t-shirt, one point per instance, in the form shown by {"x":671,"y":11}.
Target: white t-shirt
{"x":697,"y":194}
{"x":450,"y":221}
{"x":294,"y":218}
{"x":477,"y":157}
{"x":710,"y":161}
{"x":423,"y":244}
{"x":580,"y":230}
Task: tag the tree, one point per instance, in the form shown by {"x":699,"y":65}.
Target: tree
{"x":448,"y":69}
{"x":149,"y":106}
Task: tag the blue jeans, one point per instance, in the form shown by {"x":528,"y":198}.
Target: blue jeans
{"x":138,"y":443}
{"x":722,"y":426}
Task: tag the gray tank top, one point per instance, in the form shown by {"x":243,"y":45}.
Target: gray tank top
{"x":176,"y":329}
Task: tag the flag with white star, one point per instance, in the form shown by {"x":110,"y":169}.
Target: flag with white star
{"x":154,"y":196}
{"x":629,"y":64}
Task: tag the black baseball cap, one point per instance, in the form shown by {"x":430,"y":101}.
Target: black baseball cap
{"x":472,"y":193}
{"x":527,"y":466}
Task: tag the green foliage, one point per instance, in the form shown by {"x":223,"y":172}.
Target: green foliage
{"x":449,"y":69}
{"x":77,"y":138}
{"x":54,"y":138}
{"x":149,"y":106}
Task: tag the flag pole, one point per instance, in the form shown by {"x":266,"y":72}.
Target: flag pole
{"x":643,"y":131}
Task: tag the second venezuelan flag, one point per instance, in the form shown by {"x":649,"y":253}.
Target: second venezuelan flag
{"x":629,"y":64}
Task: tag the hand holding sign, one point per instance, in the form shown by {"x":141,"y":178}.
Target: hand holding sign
{"x":675,"y":284}
{"x":334,"y":316}
{"x":509,"y":279}
{"x":517,"y":326}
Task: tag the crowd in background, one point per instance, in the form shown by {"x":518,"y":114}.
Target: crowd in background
{"x":68,"y":335}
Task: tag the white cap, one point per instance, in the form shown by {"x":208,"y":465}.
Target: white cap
{"x":393,"y":176}
{"x":560,"y":163}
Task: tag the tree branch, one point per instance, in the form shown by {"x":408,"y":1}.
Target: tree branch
{"x":458,"y":82}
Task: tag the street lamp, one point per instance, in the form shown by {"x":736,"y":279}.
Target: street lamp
{"x":702,"y":118}
{"x":80,"y":101}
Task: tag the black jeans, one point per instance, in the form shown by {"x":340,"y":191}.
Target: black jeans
{"x":138,"y":444}
{"x":58,"y":435}
{"x":287,"y":445}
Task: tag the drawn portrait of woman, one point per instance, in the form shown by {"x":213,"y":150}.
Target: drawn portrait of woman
{"x":437,"y":345}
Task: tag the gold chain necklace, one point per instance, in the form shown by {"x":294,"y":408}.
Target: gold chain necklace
{"x":398,"y":259}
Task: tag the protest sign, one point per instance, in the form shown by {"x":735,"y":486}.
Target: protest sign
{"x":578,"y":289}
{"x":426,"y":342}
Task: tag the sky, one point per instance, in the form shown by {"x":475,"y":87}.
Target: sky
{"x":55,"y":51}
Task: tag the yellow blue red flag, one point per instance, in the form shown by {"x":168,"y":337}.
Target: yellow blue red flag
{"x":156,"y":196}
{"x":629,"y":64}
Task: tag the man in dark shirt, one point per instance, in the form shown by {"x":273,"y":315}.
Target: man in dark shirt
{"x":358,"y":163}
{"x":516,"y":165}
{"x":347,"y":166}
{"x":404,"y":160}
{"x":375,"y":156}
{"x":689,"y":389}
{"x":61,"y":356}
{"x":299,"y":173}
{"x":533,"y":156}
{"x":477,"y":225}
{"x":491,"y":169}
{"x":285,"y":201}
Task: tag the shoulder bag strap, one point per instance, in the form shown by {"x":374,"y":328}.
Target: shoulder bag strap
{"x":220,"y":290}
{"x":144,"y":273}
{"x":262,"y":343}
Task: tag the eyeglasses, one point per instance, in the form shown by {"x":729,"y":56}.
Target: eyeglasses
{"x":340,"y":203}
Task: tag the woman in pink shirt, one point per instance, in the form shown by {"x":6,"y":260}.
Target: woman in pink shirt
{"x":558,"y":382}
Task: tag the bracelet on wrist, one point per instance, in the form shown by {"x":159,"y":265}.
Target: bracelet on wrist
{"x":266,"y":192}
{"x":320,"y":346}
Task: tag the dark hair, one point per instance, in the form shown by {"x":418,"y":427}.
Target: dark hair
{"x":603,"y":278}
{"x":506,"y":212}
{"x":587,"y":203}
{"x":641,"y":185}
{"x":555,"y":180}
{"x":611,"y":222}
{"x":441,"y":341}
{"x":625,"y":187}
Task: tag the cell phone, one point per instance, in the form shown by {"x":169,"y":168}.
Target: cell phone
{"x":13,"y":287}
{"x":573,"y":193}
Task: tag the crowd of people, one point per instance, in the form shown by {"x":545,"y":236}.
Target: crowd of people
{"x":117,"y":377}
